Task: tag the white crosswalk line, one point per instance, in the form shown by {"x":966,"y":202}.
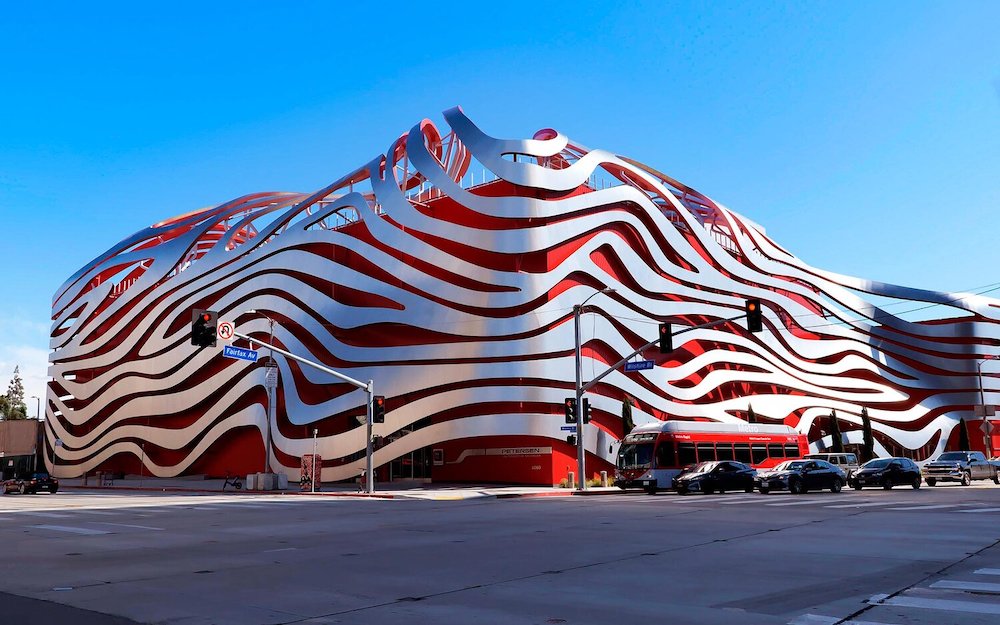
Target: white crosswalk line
{"x":943,"y":604}
{"x":981,"y":510}
{"x":138,"y":527}
{"x":816,"y":619}
{"x":86,"y":531}
{"x":987,"y":571}
{"x":807,"y":502}
{"x":933,"y":507}
{"x":51,"y":515}
{"x":973,"y":586}
{"x":868,"y":505}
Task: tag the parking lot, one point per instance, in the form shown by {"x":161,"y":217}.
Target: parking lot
{"x":874,"y":556}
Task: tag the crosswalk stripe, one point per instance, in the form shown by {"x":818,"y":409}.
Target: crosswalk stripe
{"x":943,"y":604}
{"x":959,"y":585}
{"x":51,"y":515}
{"x":981,"y":510}
{"x":934,"y":507}
{"x":138,"y":527}
{"x":987,"y":571}
{"x":807,"y":502}
{"x":817,"y":619}
{"x":868,"y":505}
{"x":86,"y":531}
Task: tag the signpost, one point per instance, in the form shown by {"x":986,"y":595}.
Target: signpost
{"x":986,"y":427}
{"x":639,"y":365}
{"x":239,"y":353}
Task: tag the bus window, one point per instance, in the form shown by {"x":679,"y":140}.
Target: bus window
{"x":791,"y":450}
{"x":724,"y":451}
{"x":665,"y":456}
{"x":635,"y":456}
{"x":743,"y":453}
{"x":685,"y":454}
{"x":759,"y":453}
{"x":775,"y":451}
{"x":706,"y":452}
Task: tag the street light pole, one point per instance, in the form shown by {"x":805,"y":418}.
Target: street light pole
{"x":312,"y":467}
{"x":270,"y":385}
{"x":581,"y":449}
{"x":38,"y":407}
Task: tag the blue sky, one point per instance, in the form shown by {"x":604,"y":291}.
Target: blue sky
{"x":864,"y":136}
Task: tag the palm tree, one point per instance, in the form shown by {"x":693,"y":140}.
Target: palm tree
{"x":627,"y":423}
{"x":838,"y":439}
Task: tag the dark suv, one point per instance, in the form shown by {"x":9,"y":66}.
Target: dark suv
{"x":887,"y":472}
{"x":31,"y":484}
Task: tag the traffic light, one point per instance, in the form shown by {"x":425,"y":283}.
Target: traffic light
{"x":203,"y":327}
{"x":754,"y":321}
{"x":571,"y":439}
{"x":570,"y":407}
{"x":378,"y":409}
{"x":585,"y":411}
{"x":666,"y":339}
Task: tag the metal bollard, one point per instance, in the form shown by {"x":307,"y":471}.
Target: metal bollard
{"x":604,"y":479}
{"x":572,"y":480}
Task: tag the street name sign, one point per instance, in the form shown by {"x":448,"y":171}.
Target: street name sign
{"x":239,"y":353}
{"x":568,"y":428}
{"x":638,"y":365}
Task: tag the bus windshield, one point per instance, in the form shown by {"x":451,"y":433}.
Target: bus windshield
{"x":635,"y":456}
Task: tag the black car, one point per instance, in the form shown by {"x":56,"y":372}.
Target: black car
{"x":31,"y":484}
{"x":887,"y":472}
{"x":717,"y":476}
{"x":799,"y":476}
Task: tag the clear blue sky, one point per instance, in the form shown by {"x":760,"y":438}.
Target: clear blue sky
{"x":864,"y":136}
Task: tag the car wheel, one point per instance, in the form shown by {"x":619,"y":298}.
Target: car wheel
{"x":996,"y":478}
{"x":916,"y":483}
{"x":764,"y":491}
{"x":55,"y":490}
{"x":966,"y":479}
{"x":795,"y":487}
{"x":708,"y":490}
{"x":857,"y":487}
{"x":887,"y":484}
{"x":837,"y":486}
{"x":748,"y":489}
{"x":931,"y":481}
{"x":22,"y":490}
{"x":650,"y":491}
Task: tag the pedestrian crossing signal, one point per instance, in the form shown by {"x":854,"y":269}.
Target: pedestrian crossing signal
{"x":666,"y":341}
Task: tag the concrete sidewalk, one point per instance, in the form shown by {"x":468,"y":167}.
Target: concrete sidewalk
{"x":388,"y":490}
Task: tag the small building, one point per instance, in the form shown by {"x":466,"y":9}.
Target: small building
{"x":19,"y":445}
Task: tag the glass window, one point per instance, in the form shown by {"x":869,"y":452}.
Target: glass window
{"x":775,"y":451}
{"x":791,"y":450}
{"x":759,"y":453}
{"x":706,"y":451}
{"x":635,"y":456}
{"x":685,"y":454}
{"x":724,"y":451}
{"x":665,"y":456}
{"x":743,"y":452}
{"x":852,"y":459}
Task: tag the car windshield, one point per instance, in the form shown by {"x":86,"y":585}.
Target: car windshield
{"x":880,"y":463}
{"x":953,"y":455}
{"x":790,"y":465}
{"x":635,"y":456}
{"x":703,"y":467}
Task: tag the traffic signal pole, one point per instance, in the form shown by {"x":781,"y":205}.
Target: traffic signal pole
{"x":368,"y":387}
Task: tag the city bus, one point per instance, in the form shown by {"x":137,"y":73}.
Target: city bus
{"x":653,"y":454}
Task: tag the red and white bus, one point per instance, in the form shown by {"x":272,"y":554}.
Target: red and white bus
{"x":653,"y":454}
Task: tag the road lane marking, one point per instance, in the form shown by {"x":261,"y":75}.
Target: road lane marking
{"x":987,"y":571}
{"x":51,"y":515}
{"x":975,"y":586}
{"x":981,"y":510}
{"x":282,"y":549}
{"x":816,"y":619}
{"x":948,"y":605}
{"x":100,"y":512}
{"x":72,"y":530}
{"x":138,"y":527}
{"x":934,"y":507}
{"x":868,"y":505}
{"x":809,"y":502}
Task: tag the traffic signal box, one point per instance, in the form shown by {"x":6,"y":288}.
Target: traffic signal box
{"x":378,"y":409}
{"x":755,"y":322}
{"x":203,"y":327}
{"x":570,"y":409}
{"x":585,"y":410}
{"x":666,"y":341}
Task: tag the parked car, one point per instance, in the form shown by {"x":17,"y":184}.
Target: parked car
{"x":847,"y":462}
{"x":717,"y":476}
{"x":960,"y":466}
{"x":31,"y":484}
{"x":887,"y":472}
{"x":799,"y":476}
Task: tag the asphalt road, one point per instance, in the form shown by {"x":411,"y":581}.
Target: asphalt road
{"x":875,"y":557}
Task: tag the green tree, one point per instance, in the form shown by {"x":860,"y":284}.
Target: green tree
{"x":868,"y":447}
{"x":838,"y":438}
{"x":15,"y":407}
{"x":963,"y":436}
{"x":627,"y":423}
